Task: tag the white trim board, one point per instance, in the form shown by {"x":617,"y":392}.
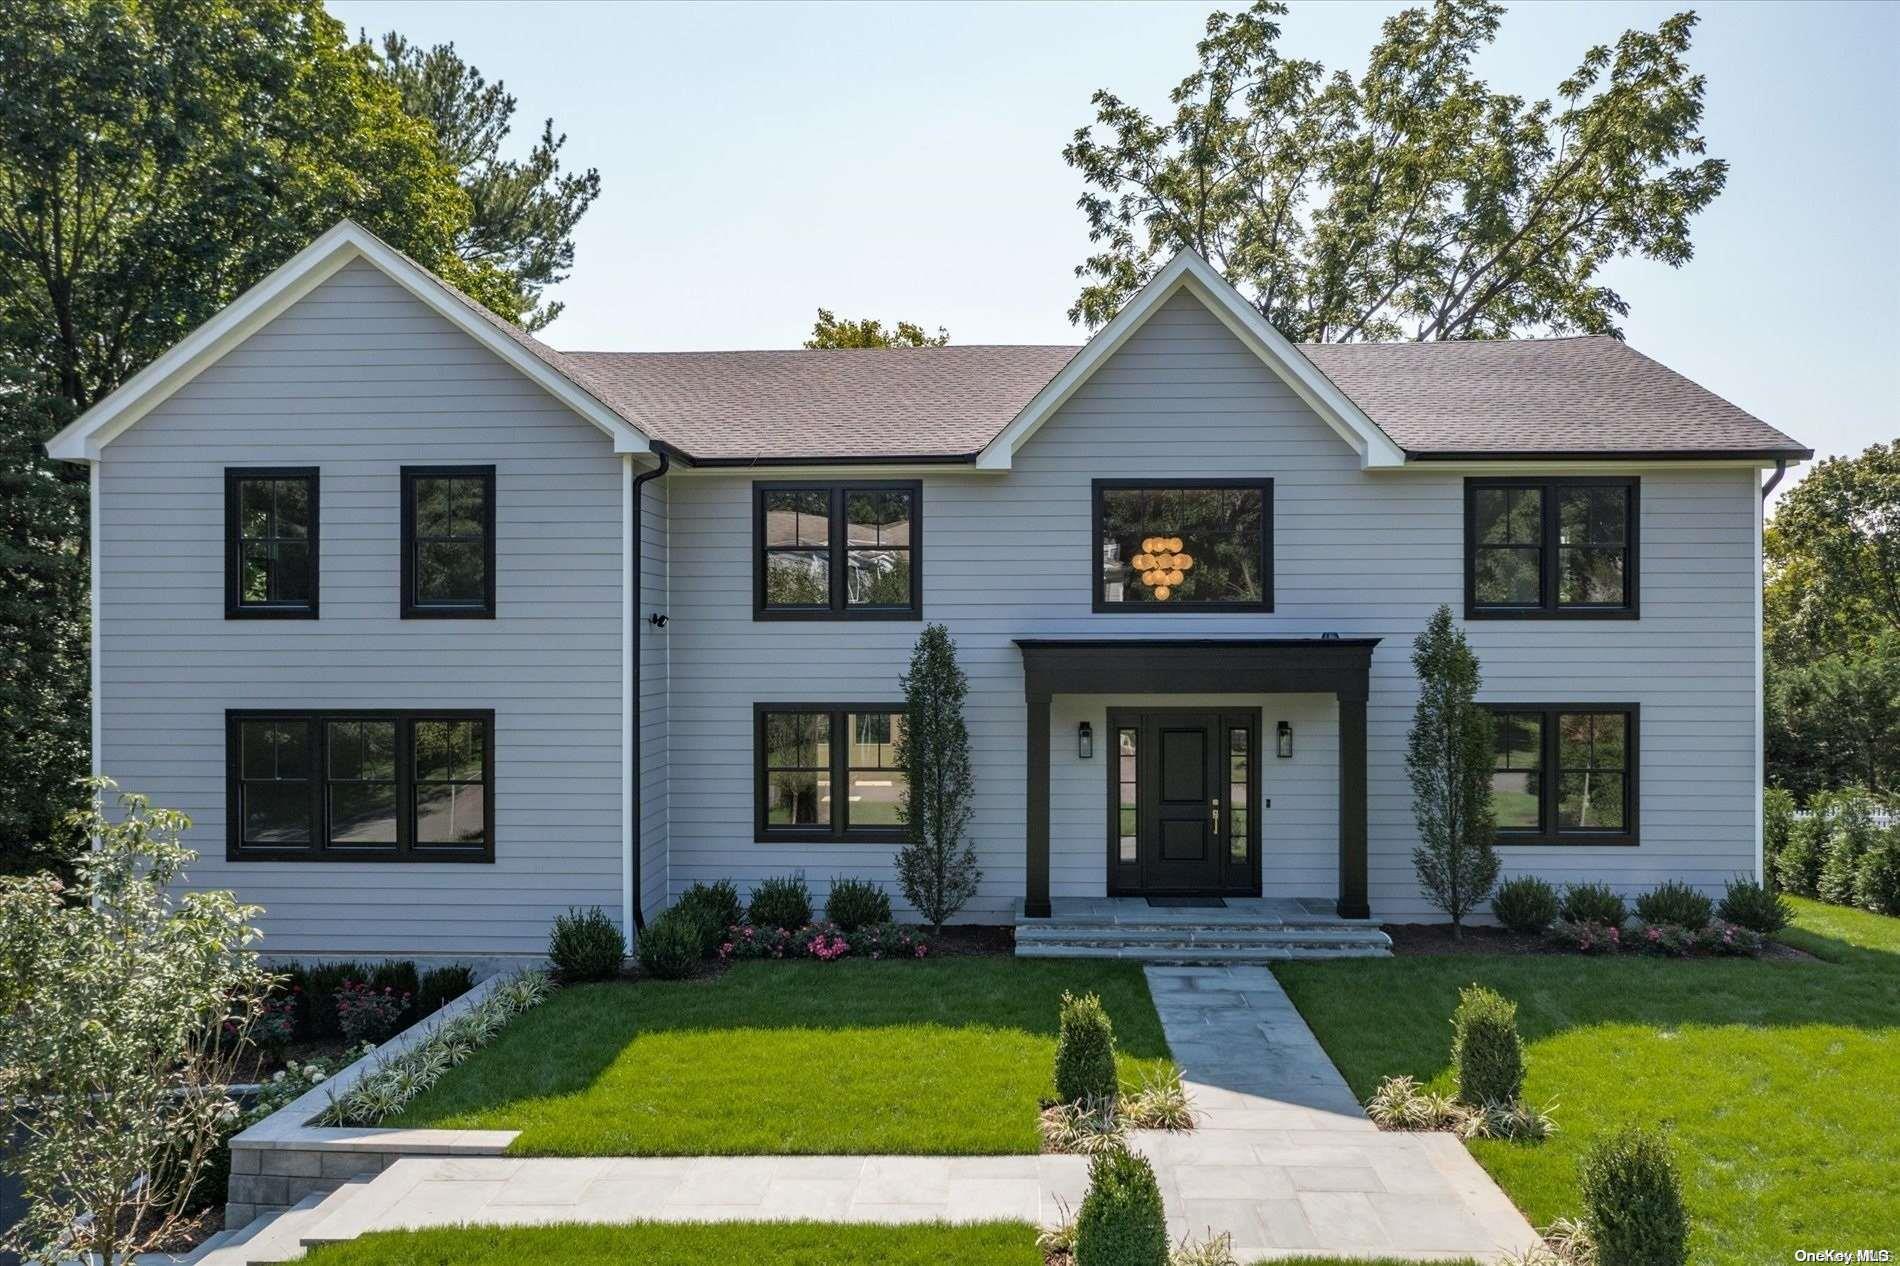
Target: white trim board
{"x":1188,"y":271}
{"x":309,"y":268}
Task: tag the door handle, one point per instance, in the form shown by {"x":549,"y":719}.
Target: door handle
{"x":1213,"y":815}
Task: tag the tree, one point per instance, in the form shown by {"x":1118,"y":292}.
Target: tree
{"x":123,"y":1012}
{"x":1833,"y":560}
{"x":1410,"y":202}
{"x":522,"y":213}
{"x":1449,"y":759}
{"x":829,"y":331}
{"x":937,"y":869}
{"x":1835,"y":722}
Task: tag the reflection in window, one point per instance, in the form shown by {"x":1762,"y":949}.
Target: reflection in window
{"x":798,"y":768}
{"x":798,"y":548}
{"x":837,"y":551}
{"x":877,"y":781}
{"x":1239,"y":778}
{"x":451,"y":777}
{"x":1592,"y":767}
{"x":1509,"y":552}
{"x":1550,"y":546}
{"x":1185,"y":546}
{"x":877,"y":548}
{"x":1127,"y":781}
{"x":360,"y":782}
{"x":1516,"y":786}
{"x":271,"y":546}
{"x":274,"y":782}
{"x":451,"y":550}
{"x":1564,"y":774}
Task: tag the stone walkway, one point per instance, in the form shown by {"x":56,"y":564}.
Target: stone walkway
{"x":1283,"y":1159}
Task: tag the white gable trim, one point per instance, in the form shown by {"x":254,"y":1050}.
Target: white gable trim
{"x":309,"y":268}
{"x":1188,"y":271}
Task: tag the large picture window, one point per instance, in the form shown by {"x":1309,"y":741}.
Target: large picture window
{"x":1202,"y":545}
{"x":837,"y":551}
{"x":1565,"y":773}
{"x":270,"y":543}
{"x":448,"y":542}
{"x":1562,"y":548}
{"x":804,"y":754}
{"x":360,"y":786}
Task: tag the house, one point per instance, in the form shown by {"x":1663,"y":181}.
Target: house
{"x":435,"y":631}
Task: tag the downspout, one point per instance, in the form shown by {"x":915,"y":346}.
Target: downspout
{"x":1781,"y":468}
{"x":638,"y":528}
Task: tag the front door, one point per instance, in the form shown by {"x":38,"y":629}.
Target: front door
{"x":1180,"y":786}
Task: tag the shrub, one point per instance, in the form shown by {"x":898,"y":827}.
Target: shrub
{"x":1877,"y":879}
{"x":857,"y":903}
{"x":1485,"y":1048}
{"x":1755,"y":906}
{"x":1777,"y":819}
{"x":398,"y":976}
{"x":1632,"y":1201}
{"x":443,"y":985}
{"x":586,"y":945}
{"x":365,"y":1013}
{"x":1587,"y":936}
{"x":672,"y":945}
{"x":1085,"y":1051}
{"x":783,"y":901}
{"x":276,"y":1024}
{"x":1593,"y":903}
{"x":1669,"y":939}
{"x":718,"y":908}
{"x":1161,"y":1102}
{"x":1121,"y":1222}
{"x":1851,"y":834}
{"x":1797,"y":867}
{"x":1729,"y":938}
{"x":321,"y":984}
{"x":1525,"y":904}
{"x":1678,"y":903}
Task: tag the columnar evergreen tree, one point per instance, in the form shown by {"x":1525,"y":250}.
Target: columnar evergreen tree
{"x":1449,"y":759}
{"x":937,"y":869}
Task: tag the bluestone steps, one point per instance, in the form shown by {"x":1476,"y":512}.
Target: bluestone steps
{"x":1180,"y":937}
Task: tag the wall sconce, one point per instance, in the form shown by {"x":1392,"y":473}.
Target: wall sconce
{"x":1286,"y":738}
{"x":1084,"y":741}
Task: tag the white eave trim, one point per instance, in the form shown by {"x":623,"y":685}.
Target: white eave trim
{"x":309,"y":268}
{"x":1188,"y":271}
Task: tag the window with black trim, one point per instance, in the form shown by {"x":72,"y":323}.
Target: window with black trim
{"x":270,"y":543}
{"x":804,"y":752}
{"x":360,"y":785}
{"x":1565,"y":773}
{"x":1183,"y":545}
{"x":832,"y":551}
{"x":448,"y":542}
{"x":1551,"y":548}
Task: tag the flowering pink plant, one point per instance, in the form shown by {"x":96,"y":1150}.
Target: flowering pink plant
{"x":366,"y":1013}
{"x":1587,"y":936}
{"x":825,"y":942}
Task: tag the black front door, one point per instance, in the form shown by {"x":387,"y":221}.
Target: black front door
{"x":1174,"y":781}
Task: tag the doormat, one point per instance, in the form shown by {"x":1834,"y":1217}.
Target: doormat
{"x":1188,"y":903}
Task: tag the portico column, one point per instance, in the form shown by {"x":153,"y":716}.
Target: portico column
{"x":1036,"y":812}
{"x":1352,"y":808}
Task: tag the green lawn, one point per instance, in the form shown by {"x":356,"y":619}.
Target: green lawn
{"x":694,"y":1244}
{"x":946,"y":1057}
{"x":1775,"y":1080}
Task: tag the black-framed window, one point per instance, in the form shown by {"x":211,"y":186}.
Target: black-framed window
{"x":804,"y":753}
{"x":1565,"y":773}
{"x":270,"y":542}
{"x":448,"y":542}
{"x":360,"y":785}
{"x":1183,"y":545}
{"x":849,"y":550}
{"x":1551,"y":547}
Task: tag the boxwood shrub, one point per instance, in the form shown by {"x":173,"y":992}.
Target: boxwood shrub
{"x":1525,"y":904}
{"x":857,"y":903}
{"x":672,"y":945}
{"x":783,"y":901}
{"x":1085,"y":1051}
{"x":1485,"y":1049}
{"x":1675,"y":902}
{"x":1755,"y":906}
{"x":1594,"y":903}
{"x":586,"y":945}
{"x":1632,"y":1201}
{"x":1122,"y":1221}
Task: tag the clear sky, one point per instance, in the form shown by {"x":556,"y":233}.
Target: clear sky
{"x":903,"y":161}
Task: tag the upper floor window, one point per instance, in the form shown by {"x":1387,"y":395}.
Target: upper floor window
{"x":1184,"y":545}
{"x":270,"y":542}
{"x":1564,"y":773}
{"x":828,"y":772}
{"x":369,"y":786}
{"x":1562,"y":548}
{"x":829,"y":551}
{"x":448,"y":541}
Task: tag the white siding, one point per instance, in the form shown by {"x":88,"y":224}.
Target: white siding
{"x":1360,"y":554}
{"x":358,"y":378}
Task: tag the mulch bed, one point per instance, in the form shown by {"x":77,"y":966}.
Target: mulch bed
{"x":258,"y":1064}
{"x":1434,"y":940}
{"x":967,"y":939}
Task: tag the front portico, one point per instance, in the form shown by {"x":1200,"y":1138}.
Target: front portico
{"x":1178,"y":845}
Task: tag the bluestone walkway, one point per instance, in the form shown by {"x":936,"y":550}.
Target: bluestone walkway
{"x":1283,"y":1159}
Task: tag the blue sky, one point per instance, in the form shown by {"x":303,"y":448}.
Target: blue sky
{"x":903,"y":162}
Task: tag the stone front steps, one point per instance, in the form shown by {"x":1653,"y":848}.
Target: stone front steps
{"x":1188,"y":936}
{"x":278,"y":1237}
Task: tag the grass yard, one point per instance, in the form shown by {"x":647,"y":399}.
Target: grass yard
{"x":1776,"y":1080}
{"x":947,"y":1057}
{"x":694,"y":1244}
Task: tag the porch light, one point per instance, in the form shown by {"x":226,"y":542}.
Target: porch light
{"x":1084,"y":741}
{"x":1285,"y":733}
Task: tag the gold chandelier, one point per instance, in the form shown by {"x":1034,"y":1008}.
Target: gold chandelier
{"x":1161,"y":565}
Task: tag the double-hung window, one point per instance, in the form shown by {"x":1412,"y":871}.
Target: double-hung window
{"x":1551,"y":548}
{"x":360,"y":785}
{"x":448,"y":542}
{"x":827,"y":771}
{"x":837,"y":551}
{"x":270,"y":543}
{"x":1565,"y":773}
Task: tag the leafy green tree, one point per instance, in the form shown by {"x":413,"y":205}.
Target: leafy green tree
{"x":1835,"y":722}
{"x":829,"y":331}
{"x":1449,"y":759}
{"x":522,"y":213}
{"x":123,"y":1012}
{"x":1410,"y":202}
{"x":937,"y":869}
{"x":1833,"y":558}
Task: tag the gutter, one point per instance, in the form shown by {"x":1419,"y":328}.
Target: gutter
{"x":1781,"y":468}
{"x":634,"y":568}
